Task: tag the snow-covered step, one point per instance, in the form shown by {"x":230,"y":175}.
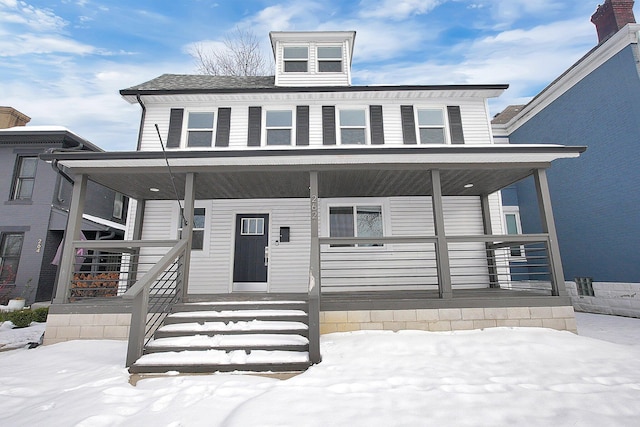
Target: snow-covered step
{"x":230,"y":342}
{"x":235,"y":328}
{"x":222,"y":361}
{"x":241,"y":335}
{"x":235,"y":315}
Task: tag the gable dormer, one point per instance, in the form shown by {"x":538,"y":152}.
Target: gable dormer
{"x":313,"y":58}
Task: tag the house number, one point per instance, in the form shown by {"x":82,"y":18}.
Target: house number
{"x":39,"y":246}
{"x":314,"y":206}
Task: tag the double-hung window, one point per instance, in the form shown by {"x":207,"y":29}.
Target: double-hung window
{"x":356,"y":221}
{"x":513,"y":226}
{"x":330,"y":59}
{"x":296,"y":59}
{"x":353,"y":126}
{"x":25,"y":178}
{"x":431,"y":129}
{"x":197,"y":236}
{"x":200,"y":129}
{"x":279,"y":126}
{"x":10,"y":250}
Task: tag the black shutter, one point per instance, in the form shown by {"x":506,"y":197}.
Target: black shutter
{"x":175,"y":127}
{"x":328,"y":125}
{"x":255,"y":126}
{"x":377,"y":128}
{"x":408,"y":124}
{"x":302,"y":125}
{"x":455,"y":124}
{"x":224,"y":127}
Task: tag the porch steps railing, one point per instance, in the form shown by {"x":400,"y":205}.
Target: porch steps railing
{"x":225,"y":336}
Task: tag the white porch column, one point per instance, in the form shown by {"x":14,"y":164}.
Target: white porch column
{"x":442,"y":247}
{"x":74,"y":228}
{"x":549,"y":227}
{"x":488,"y":231}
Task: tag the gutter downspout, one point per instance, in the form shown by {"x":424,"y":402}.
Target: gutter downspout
{"x":144,"y":114}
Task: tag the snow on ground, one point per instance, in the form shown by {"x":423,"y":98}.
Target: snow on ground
{"x":498,"y":377}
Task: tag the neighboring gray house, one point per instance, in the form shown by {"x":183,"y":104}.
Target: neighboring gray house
{"x":596,"y":199}
{"x":33,"y":213}
{"x":271,"y":209}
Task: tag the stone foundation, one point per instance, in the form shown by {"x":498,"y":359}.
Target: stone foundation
{"x":620,"y":299}
{"x":449,"y":319}
{"x":106,"y":326}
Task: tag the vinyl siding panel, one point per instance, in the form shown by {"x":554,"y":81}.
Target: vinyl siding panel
{"x":475,"y":122}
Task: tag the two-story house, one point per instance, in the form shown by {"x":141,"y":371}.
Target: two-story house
{"x":289,"y":205}
{"x":36,"y":199}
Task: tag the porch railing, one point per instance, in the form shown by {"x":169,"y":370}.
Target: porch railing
{"x":512,"y":262}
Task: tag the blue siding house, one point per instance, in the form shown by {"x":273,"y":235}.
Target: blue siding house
{"x":596,"y":198}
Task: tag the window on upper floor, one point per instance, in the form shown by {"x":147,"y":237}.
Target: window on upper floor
{"x":296,"y":59}
{"x":356,"y":221}
{"x":24,"y":178}
{"x":329,"y":59}
{"x":200,"y":129}
{"x":279,"y":127}
{"x":353,"y":126}
{"x":431,"y":127}
{"x":10,"y":250}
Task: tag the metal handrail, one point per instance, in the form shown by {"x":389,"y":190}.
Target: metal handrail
{"x":139,"y":293}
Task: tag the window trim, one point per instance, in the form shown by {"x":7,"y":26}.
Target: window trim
{"x":515,"y":211}
{"x":18,"y":178}
{"x":333,"y":59}
{"x":263,"y":137}
{"x":177,"y":229}
{"x":3,"y":235}
{"x":285,"y":60}
{"x":326,"y":206}
{"x":445,"y":124}
{"x":184,"y":140}
{"x":366,"y":127}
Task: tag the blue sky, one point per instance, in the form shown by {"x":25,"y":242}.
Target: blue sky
{"x":62,"y":62}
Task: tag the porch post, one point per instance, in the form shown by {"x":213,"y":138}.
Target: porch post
{"x":442,"y":247}
{"x":187,"y":229}
{"x":549,"y":227}
{"x":137,"y":235}
{"x":74,"y":227}
{"x":314,"y":273}
{"x":488,"y":231}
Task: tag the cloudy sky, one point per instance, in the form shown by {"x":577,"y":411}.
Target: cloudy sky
{"x":62,"y":62}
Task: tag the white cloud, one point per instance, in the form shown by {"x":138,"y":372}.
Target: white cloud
{"x":396,"y":9}
{"x":26,"y":44}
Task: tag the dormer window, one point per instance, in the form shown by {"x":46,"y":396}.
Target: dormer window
{"x":296,"y":59}
{"x":330,"y":59}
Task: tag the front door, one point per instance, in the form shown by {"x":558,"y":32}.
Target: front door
{"x":251,"y":256}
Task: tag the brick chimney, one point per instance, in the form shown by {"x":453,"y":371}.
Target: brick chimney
{"x":611,"y":16}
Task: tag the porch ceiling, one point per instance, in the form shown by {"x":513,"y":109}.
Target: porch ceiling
{"x":342,"y":173}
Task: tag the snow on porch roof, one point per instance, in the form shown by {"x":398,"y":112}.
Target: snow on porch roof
{"x":343,"y":172}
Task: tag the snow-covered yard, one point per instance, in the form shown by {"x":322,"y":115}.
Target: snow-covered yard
{"x":498,"y":377}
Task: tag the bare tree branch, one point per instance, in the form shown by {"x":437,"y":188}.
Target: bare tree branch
{"x":240,"y":56}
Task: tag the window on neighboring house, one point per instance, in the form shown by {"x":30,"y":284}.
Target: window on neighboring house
{"x":200,"y":129}
{"x":25,"y":178}
{"x":355,"y":221}
{"x":10,"y":250}
{"x":296,"y":59}
{"x":118,"y":205}
{"x":512,"y":226}
{"x":353,"y":126}
{"x":279,"y":125}
{"x":197,"y":236}
{"x":330,"y":59}
{"x":431,"y":126}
